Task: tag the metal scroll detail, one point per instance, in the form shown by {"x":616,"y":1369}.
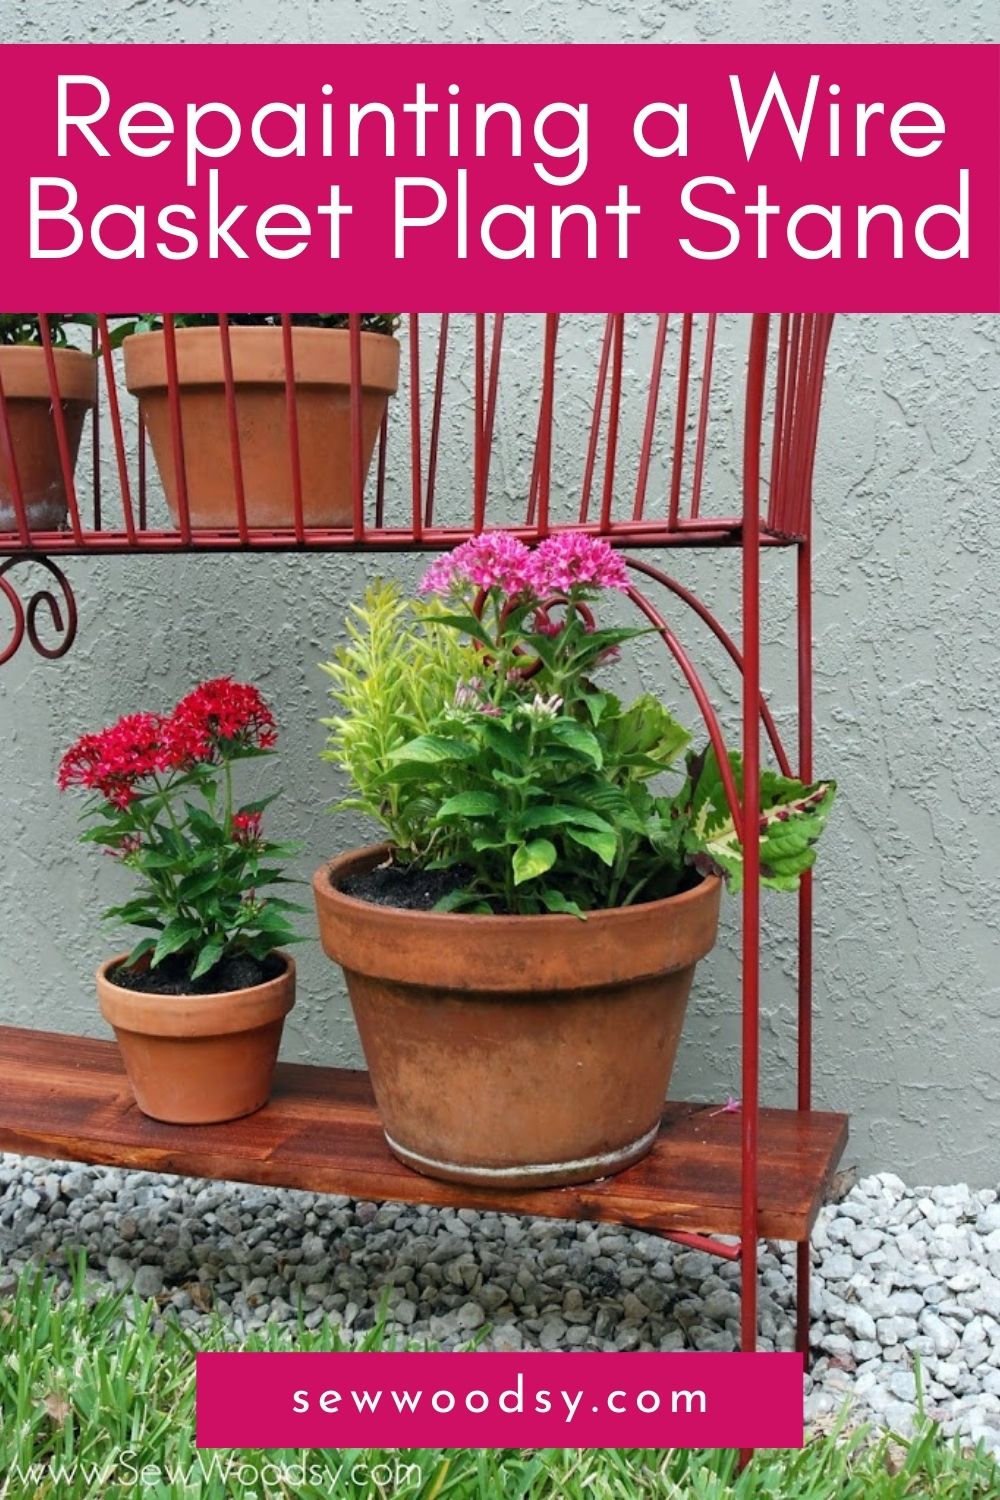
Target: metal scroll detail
{"x":62,"y":614}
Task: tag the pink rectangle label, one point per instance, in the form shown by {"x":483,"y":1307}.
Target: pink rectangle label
{"x":494,"y":1400}
{"x":838,"y":178}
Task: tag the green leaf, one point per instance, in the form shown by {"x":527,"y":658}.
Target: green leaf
{"x":469,"y":805}
{"x":209,"y":956}
{"x":645,"y":736}
{"x":431,"y":750}
{"x":604,"y":845}
{"x":196,"y":884}
{"x":177,"y":935}
{"x":564,"y":815}
{"x":143,"y":946}
{"x":792,"y":817}
{"x":532,"y":860}
{"x":578,"y":738}
{"x":157,"y":859}
{"x":462,"y":901}
{"x":555,"y":901}
{"x":468,"y":624}
{"x":509,"y":746}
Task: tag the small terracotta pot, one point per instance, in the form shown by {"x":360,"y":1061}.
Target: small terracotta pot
{"x":25,"y":376}
{"x":517,"y":1051}
{"x":322,"y":365}
{"x":199,"y":1059}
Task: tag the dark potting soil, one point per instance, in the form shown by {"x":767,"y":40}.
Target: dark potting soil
{"x":420,"y":890}
{"x":403,"y":887}
{"x":171,"y":976}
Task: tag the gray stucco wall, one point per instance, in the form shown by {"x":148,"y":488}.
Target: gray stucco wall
{"x":908,"y":945}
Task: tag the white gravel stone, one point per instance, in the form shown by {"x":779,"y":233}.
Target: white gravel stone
{"x":898,"y":1274}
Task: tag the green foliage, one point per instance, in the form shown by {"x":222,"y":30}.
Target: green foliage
{"x":792,"y":817}
{"x":162,"y":800}
{"x":96,"y":1387}
{"x":499,"y":757}
{"x":200,"y":878}
{"x":23,"y":328}
{"x":389,"y":682}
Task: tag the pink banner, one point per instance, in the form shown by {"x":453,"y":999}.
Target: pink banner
{"x":486,"y":1400}
{"x":529,"y":177}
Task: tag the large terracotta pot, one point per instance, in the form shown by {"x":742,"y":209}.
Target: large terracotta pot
{"x":199,"y":1059}
{"x":30,"y":412}
{"x":517,"y":1051}
{"x":322,"y":365}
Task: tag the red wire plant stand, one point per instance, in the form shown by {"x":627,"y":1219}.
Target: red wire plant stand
{"x":719,"y":1179}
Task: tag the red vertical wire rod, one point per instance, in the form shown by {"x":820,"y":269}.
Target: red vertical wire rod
{"x":800,"y":433}
{"x":546,"y":411}
{"x":680,"y":420}
{"x":479,"y":420}
{"x":652,"y":401}
{"x":821,"y":341}
{"x":590,"y":461}
{"x":785,"y":523}
{"x":703,"y":410}
{"x":614,"y":417}
{"x":781,"y":375}
{"x":292,"y":423}
{"x":357,"y":465}
{"x":142,"y":471}
{"x":492,"y":387}
{"x":16,"y":488}
{"x":62,"y":437}
{"x":383,"y":443}
{"x":749,"y":1114}
{"x":117,"y":434}
{"x":416,"y":467}
{"x":95,"y":436}
{"x":432,"y":455}
{"x":176,"y":426}
{"x":229,"y":386}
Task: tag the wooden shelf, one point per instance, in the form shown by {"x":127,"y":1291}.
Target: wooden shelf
{"x":66,"y":1098}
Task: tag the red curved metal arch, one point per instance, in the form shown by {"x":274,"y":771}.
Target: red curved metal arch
{"x":727,"y":642}
{"x":701,"y":697}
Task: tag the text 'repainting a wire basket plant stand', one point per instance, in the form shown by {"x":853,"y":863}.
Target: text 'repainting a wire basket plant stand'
{"x":321,"y":377}
{"x":519,"y":957}
{"x":30,"y":459}
{"x":199,"y":1003}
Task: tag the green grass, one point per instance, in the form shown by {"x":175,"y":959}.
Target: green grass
{"x":92,"y":1395}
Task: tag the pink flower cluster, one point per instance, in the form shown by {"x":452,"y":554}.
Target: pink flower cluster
{"x":566,"y":560}
{"x":218,"y":716}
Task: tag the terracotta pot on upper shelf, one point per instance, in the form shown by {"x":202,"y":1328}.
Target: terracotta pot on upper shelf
{"x":199,"y":1059}
{"x":322,"y":369}
{"x":34,"y":439}
{"x":510,"y":1051}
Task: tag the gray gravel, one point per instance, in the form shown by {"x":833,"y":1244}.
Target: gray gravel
{"x":906,"y":1291}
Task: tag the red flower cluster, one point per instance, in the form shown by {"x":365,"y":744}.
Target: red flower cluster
{"x":112,"y":761}
{"x":219,"y":716}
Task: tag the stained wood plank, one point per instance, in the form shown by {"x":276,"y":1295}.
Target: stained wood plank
{"x":66,"y":1098}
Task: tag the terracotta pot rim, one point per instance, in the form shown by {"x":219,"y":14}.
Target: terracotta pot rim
{"x":26,"y":375}
{"x":288,"y":972}
{"x":321,"y":357}
{"x":548,"y":921}
{"x":554,"y":954}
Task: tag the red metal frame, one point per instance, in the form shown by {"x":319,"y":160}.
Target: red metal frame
{"x":782,"y":392}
